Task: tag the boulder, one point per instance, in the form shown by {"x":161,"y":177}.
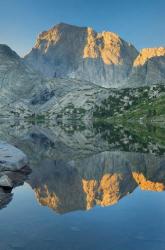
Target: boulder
{"x":11,"y":158}
{"x":5,"y":182}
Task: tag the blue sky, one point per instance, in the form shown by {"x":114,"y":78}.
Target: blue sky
{"x":141,"y":22}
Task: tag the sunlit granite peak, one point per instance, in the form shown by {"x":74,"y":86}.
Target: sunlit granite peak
{"x":80,"y":52}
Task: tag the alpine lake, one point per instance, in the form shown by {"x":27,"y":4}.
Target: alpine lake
{"x":95,"y":186}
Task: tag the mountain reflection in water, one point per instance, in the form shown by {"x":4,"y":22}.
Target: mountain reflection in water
{"x":76,"y":168}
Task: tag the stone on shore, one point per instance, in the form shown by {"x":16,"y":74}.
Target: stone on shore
{"x":11,"y":158}
{"x":5,"y":182}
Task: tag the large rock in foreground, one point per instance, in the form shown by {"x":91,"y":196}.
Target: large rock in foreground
{"x":10,"y":180}
{"x":11,"y":158}
{"x":13,"y":171}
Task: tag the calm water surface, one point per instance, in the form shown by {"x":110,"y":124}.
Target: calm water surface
{"x":90,"y":188}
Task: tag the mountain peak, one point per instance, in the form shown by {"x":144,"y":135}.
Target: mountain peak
{"x":70,"y":51}
{"x":6,"y":51}
{"x":103,"y":58}
{"x":67,"y":25}
{"x":148,"y":53}
{"x":56,"y":32}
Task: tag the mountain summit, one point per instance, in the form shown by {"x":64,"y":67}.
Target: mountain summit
{"x":68,"y":51}
{"x":73,"y":52}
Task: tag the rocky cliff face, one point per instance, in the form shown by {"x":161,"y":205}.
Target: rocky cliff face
{"x":102,"y":58}
{"x":17,"y":80}
{"x":24,"y":92}
{"x":73,"y":52}
{"x":79,"y":100}
{"x":148,"y":67}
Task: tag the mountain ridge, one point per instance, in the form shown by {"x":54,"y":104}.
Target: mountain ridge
{"x":73,"y":52}
{"x":26,"y":92}
{"x":103,"y":58}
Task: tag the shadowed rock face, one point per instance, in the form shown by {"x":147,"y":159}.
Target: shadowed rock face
{"x":5,"y":197}
{"x":16,"y":79}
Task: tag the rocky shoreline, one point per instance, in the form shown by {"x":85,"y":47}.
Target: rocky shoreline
{"x":13,"y":171}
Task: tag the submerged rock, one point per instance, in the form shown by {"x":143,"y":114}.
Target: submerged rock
{"x":5,"y":198}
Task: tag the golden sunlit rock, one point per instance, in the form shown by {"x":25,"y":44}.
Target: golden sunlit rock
{"x":45,"y":198}
{"x":147,"y":184}
{"x":148,"y":53}
{"x":90,"y":188}
{"x":106,"y":45}
{"x":101,"y":179}
{"x":70,"y":51}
